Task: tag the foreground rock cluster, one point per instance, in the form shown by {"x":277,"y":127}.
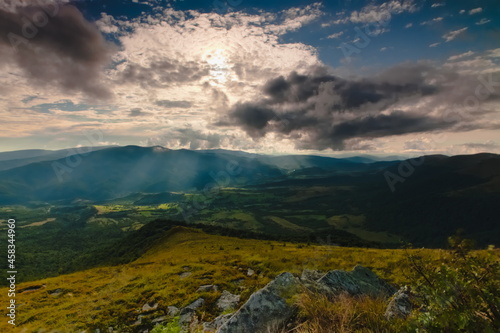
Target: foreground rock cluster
{"x":273,"y":306}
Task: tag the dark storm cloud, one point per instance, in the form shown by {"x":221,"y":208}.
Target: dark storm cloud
{"x":322,"y":111}
{"x":55,"y":44}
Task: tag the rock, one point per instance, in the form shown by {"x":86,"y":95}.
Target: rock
{"x":267,"y":309}
{"x":196,"y":304}
{"x":311,"y":276}
{"x":173,"y":311}
{"x":55,"y":292}
{"x":360,"y":281}
{"x":159,"y":319}
{"x":227,"y":301}
{"x":216,"y":323}
{"x":184,"y":275}
{"x":250,"y":272}
{"x":207,"y":287}
{"x":186,"y":317}
{"x":238,"y":281}
{"x":400,"y":305}
{"x":149,"y":307}
{"x":138,"y":321}
{"x":187,"y":314}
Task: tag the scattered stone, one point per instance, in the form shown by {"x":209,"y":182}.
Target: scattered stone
{"x":360,"y":281}
{"x":159,"y":319}
{"x":186,"y":317}
{"x":228,"y":301}
{"x":55,"y":292}
{"x":186,"y":268}
{"x":267,"y":309}
{"x":400,"y":305}
{"x":196,"y":304}
{"x":250,"y":272}
{"x":184,"y":275}
{"x":212,"y":326}
{"x":138,"y":321}
{"x":173,"y":311}
{"x":238,"y":281}
{"x":149,"y":307}
{"x":207,"y":287}
{"x":31,"y":288}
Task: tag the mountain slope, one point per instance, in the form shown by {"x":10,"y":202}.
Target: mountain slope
{"x":116,"y":172}
{"x":178,"y":262}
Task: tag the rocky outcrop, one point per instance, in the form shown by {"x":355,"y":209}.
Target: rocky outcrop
{"x":272,"y":307}
{"x":360,"y":281}
{"x":227,"y":301}
{"x":400,"y":305}
{"x":216,"y":323}
{"x":266,"y":309}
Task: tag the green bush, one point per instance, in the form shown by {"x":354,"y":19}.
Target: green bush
{"x":460,"y":293}
{"x":171,"y":327}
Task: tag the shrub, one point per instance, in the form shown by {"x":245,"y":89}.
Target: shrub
{"x":461,"y":293}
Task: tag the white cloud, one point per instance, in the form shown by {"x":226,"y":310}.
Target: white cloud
{"x":434,"y":20}
{"x":495,"y":53}
{"x":335,"y":35}
{"x":460,"y":56}
{"x":475,"y":11}
{"x":462,"y":11}
{"x":437,"y":4}
{"x":434,"y":44}
{"x":483,"y":21}
{"x":449,"y":36}
{"x":382,"y":13}
{"x":408,"y":25}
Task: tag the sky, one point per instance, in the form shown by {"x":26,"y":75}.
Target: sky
{"x":335,"y":77}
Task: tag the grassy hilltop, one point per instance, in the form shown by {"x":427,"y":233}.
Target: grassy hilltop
{"x":172,"y":270}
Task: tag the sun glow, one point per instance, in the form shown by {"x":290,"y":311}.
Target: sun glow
{"x":220,"y":69}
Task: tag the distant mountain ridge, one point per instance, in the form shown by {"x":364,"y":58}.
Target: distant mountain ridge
{"x":110,"y":173}
{"x":18,"y":158}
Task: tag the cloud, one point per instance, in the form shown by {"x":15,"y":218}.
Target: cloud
{"x":434,"y":20}
{"x":335,"y":35}
{"x":475,"y":11}
{"x":462,"y":11}
{"x":437,"y":4}
{"x":54,"y":44}
{"x":449,"y":36}
{"x":483,"y":21}
{"x":434,"y":44}
{"x":174,"y":104}
{"x":137,"y":112}
{"x":460,"y":56}
{"x":161,"y":73}
{"x":190,"y":138}
{"x":408,"y":25}
{"x":495,"y":53}
{"x":320,"y":110}
{"x":381,"y":13}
